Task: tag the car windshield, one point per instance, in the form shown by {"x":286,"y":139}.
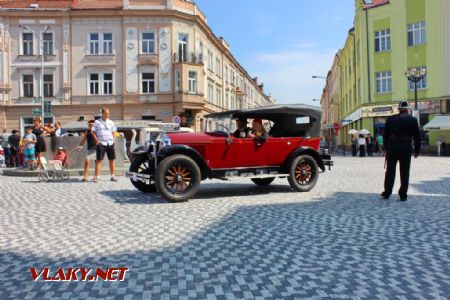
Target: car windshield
{"x":218,"y":124}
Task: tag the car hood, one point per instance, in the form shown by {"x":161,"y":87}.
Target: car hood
{"x":193,"y":138}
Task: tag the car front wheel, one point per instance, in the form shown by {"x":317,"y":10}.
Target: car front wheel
{"x":263,"y":181}
{"x":303,"y":173}
{"x":177,"y":178}
{"x":141,"y":165}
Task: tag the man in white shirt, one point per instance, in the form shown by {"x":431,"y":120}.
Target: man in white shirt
{"x":104,"y":130}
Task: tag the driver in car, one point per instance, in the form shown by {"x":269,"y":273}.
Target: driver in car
{"x":242,"y":130}
{"x":258,"y":132}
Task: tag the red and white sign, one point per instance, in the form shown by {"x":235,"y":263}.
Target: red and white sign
{"x":176,"y":119}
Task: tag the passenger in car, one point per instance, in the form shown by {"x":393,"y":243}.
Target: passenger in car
{"x":258,"y":132}
{"x":242,"y":130}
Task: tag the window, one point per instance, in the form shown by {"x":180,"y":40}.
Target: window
{"x":107,"y":84}
{"x":219,"y":96}
{"x":93,"y":84}
{"x":210,"y":93}
{"x":227,"y":96}
{"x":417,"y":33}
{"x":178,"y":81}
{"x":48,"y":85}
{"x":48,"y":43}
{"x":218,"y":67}
{"x":422,"y":84}
{"x":192,"y":82}
{"x":27,"y":40}
{"x":226,"y":73}
{"x":147,"y":42}
{"x":384,"y":82}
{"x":148,"y":83}
{"x":107,"y":43}
{"x":94,"y":43}
{"x":27,"y":81}
{"x":182,"y":46}
{"x":105,"y":40}
{"x":210,"y":60}
{"x":383,"y":40}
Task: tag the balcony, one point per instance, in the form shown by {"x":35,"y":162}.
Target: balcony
{"x":188,"y":57}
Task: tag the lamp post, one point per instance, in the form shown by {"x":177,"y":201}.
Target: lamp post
{"x":40,"y":37}
{"x":415,"y":75}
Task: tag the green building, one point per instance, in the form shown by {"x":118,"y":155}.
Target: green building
{"x":388,"y":38}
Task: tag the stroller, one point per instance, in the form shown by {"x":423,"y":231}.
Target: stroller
{"x":54,"y":170}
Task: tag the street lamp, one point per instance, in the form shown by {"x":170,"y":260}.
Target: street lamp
{"x":415,"y":75}
{"x":40,"y":37}
{"x":315,"y":76}
{"x":316,"y":99}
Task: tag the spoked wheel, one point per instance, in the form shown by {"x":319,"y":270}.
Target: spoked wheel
{"x":303,"y":173}
{"x":177,"y":178}
{"x":141,"y":165}
{"x":65,"y":175}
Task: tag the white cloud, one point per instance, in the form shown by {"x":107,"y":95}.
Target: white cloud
{"x":286,"y":73}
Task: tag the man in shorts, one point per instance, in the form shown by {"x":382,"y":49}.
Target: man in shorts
{"x":91,"y":148}
{"x":104,"y":130}
{"x":29,"y":140}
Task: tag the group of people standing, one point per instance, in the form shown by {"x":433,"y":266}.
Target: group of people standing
{"x":99,"y":139}
{"x":367,"y":145}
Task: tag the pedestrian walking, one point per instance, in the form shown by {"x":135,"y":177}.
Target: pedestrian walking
{"x":14,"y":149}
{"x":92,"y":142}
{"x":362,"y":145}
{"x":380,"y":142}
{"x":370,"y":142}
{"x":354,"y":145}
{"x":104,"y":130}
{"x":398,"y":134}
{"x":5,"y":145}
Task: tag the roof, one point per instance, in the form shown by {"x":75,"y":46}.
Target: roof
{"x":45,"y":4}
{"x":275,"y":110}
{"x":63,"y":4}
{"x":438,"y":123}
{"x":97,"y":4}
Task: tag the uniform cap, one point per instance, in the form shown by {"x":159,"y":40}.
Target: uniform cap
{"x":403,"y":105}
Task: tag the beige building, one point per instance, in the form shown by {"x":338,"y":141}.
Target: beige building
{"x":144,"y":59}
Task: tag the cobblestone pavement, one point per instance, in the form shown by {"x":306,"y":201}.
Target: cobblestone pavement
{"x":234,"y":240}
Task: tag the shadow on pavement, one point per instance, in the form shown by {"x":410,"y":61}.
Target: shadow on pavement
{"x":344,"y":246}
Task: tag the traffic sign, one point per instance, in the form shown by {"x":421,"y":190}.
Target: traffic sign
{"x":176,"y":119}
{"x":36,"y":111}
{"x":47,"y":108}
{"x":37,"y":100}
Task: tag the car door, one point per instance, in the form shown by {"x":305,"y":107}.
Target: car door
{"x":248,"y":153}
{"x":281,"y":148}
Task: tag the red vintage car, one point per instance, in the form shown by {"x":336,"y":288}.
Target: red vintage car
{"x":174,"y":163}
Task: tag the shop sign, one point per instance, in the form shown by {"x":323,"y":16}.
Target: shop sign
{"x":379,"y":110}
{"x":428,"y":107}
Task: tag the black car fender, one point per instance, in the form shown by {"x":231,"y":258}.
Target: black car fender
{"x":188,"y":151}
{"x":303,"y":151}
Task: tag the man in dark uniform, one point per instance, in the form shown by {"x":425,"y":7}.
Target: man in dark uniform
{"x":242,"y":130}
{"x":398,"y":132}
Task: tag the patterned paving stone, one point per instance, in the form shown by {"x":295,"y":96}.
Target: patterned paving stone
{"x":235,"y":240}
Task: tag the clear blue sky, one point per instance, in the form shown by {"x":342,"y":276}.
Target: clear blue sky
{"x":283,"y":42}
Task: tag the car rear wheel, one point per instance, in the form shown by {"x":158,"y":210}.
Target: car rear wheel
{"x":303,"y":173}
{"x":141,"y":165}
{"x":177,"y":178}
{"x":263,"y":181}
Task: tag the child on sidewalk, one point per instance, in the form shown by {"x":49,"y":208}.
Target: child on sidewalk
{"x":29,"y":140}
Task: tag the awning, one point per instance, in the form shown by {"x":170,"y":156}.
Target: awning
{"x":438,"y":123}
